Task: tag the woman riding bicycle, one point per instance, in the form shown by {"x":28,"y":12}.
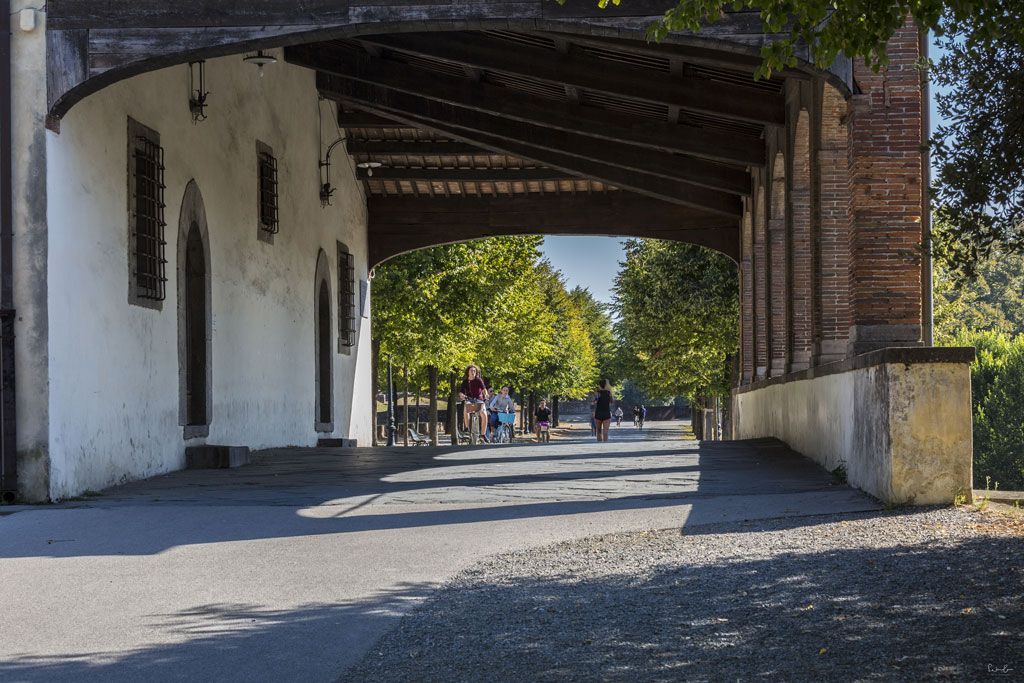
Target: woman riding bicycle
{"x":618,"y":416}
{"x":474,"y":394}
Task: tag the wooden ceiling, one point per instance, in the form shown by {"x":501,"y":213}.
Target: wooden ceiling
{"x":505,"y":114}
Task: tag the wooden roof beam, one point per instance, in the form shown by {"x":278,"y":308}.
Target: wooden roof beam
{"x":697,"y":172}
{"x":398,"y":224}
{"x":438,"y":117}
{"x":432,"y":148}
{"x":506,"y":175}
{"x":590,"y":121}
{"x":703,"y":95}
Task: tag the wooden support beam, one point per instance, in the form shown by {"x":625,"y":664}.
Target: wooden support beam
{"x":434,"y":116}
{"x":669,"y":166}
{"x":507,"y":175}
{"x":477,"y":51}
{"x":400,"y":224}
{"x":590,"y":121}
{"x":433,"y":148}
{"x":362,"y":119}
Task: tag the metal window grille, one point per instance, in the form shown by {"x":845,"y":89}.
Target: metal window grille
{"x":346,"y":297}
{"x":268,"y":193}
{"x":148,"y":243}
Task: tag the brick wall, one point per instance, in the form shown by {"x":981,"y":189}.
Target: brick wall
{"x":801,"y":257}
{"x":747,"y":295}
{"x":760,"y":279}
{"x":833,"y":276}
{"x":779,"y":271}
{"x":885,"y":241}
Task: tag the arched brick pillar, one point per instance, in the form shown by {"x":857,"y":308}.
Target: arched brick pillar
{"x":887,"y":196}
{"x":747,"y":294}
{"x":778,"y":248}
{"x":801,"y":248}
{"x":833,"y":272}
{"x":760,"y":279}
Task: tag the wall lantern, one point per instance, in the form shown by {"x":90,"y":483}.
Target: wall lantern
{"x":197,"y":93}
{"x":260,"y":59}
{"x":326,"y":190}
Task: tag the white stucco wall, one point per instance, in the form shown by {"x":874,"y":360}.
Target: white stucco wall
{"x":901,"y":431}
{"x":114,"y":403}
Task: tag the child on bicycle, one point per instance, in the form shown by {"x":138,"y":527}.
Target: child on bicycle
{"x":500,"y":403}
{"x":543,"y":417}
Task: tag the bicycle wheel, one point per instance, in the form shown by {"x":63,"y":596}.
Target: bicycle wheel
{"x":474,"y":429}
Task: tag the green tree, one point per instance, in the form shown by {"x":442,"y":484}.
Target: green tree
{"x":570,"y":366}
{"x":601,"y":331}
{"x":999,"y":424}
{"x":455,"y":304}
{"x":989,"y":299}
{"x":678,"y":307}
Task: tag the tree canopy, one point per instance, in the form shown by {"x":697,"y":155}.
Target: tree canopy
{"x":601,"y":330}
{"x":494,"y":302}
{"x":678,"y":307}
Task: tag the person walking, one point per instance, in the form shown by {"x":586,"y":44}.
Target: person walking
{"x":603,"y":409}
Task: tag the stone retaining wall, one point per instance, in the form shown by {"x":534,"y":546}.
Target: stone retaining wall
{"x":897,"y":420}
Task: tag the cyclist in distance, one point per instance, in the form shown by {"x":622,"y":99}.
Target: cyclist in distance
{"x":501,"y":402}
{"x":474,"y":393}
{"x":618,"y":416}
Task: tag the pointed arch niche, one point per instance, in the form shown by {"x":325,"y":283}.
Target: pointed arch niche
{"x":323,"y":347}
{"x":195,"y":317}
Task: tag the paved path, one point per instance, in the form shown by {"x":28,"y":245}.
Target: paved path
{"x":291,"y":568}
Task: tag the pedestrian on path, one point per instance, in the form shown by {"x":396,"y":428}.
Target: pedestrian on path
{"x":603,"y":409}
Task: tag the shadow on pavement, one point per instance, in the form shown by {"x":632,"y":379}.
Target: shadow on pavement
{"x":910,"y":612}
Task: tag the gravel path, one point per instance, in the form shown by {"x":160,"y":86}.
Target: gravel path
{"x":901,"y":595}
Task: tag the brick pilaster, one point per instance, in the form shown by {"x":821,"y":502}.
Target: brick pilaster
{"x":833,"y":187}
{"x":778,"y":260}
{"x":747,"y":296}
{"x":760,"y":280}
{"x":885,"y":243}
{"x":801,"y":255}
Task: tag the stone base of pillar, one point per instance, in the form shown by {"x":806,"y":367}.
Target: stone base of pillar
{"x":867,"y":338}
{"x":829,"y":351}
{"x":762,"y":373}
{"x":778,"y":367}
{"x":801,"y":361}
{"x":745,"y":379}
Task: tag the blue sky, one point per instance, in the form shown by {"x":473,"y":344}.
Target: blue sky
{"x":590,"y":262}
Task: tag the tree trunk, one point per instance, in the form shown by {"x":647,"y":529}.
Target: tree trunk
{"x":432,"y":411}
{"x":417,"y":419}
{"x":531,"y":416}
{"x":453,"y":412}
{"x":554,"y":411}
{"x":405,"y":405}
{"x":374,"y":383}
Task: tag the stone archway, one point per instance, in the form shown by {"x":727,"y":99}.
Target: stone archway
{"x":195,"y":317}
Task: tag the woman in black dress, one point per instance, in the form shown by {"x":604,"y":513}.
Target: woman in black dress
{"x":603,"y":409}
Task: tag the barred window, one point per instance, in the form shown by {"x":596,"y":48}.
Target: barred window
{"x":266,"y":168}
{"x":346,"y":297}
{"x":146,"y":216}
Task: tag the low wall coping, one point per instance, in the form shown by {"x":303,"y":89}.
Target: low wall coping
{"x":906,"y":355}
